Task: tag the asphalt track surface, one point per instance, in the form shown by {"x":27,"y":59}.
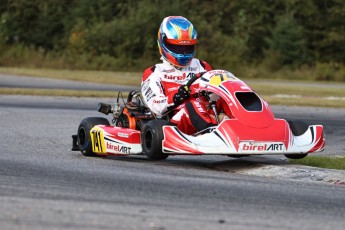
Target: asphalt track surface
{"x":45,"y":83}
{"x":44,"y":185}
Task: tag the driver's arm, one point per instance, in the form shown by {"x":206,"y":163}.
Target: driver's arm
{"x":153,"y":94}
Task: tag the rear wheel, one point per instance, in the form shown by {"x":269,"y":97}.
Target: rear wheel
{"x":83,"y":135}
{"x":297,"y":128}
{"x":152,"y":137}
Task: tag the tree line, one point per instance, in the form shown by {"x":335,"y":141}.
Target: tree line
{"x":121,"y":34}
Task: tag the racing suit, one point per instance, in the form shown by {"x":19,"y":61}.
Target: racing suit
{"x":159,"y":85}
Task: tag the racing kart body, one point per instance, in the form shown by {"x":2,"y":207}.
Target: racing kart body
{"x":253,"y":129}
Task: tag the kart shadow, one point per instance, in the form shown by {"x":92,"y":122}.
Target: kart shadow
{"x":245,"y":163}
{"x":219,"y":163}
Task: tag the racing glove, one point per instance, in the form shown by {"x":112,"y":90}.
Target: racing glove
{"x":183,"y":93}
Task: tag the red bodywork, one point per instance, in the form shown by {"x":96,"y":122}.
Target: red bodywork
{"x":252,"y":130}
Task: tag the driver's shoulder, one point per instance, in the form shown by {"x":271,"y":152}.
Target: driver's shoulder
{"x":148,"y":72}
{"x":205,"y":65}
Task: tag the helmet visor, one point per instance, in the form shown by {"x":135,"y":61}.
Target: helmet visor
{"x":185,"y":48}
{"x":178,"y":49}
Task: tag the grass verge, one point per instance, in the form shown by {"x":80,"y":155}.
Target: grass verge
{"x":329,"y":162}
{"x":304,"y":101}
{"x":275,"y":94}
{"x":307,"y":91}
{"x":60,"y":92}
{"x":316,"y":102}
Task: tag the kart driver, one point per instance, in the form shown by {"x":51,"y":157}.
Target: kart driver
{"x":164,"y":86}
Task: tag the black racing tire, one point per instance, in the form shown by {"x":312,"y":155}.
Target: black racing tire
{"x":297,"y":128}
{"x":152,"y":137}
{"x":296,"y":156}
{"x":83,"y":135}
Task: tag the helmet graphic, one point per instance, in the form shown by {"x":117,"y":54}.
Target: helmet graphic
{"x":177,"y":40}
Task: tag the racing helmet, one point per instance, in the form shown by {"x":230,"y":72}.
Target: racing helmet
{"x":177,"y":40}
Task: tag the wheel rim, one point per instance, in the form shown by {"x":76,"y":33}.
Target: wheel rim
{"x":148,"y":140}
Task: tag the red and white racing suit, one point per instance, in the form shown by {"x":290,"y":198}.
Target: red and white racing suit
{"x":159,"y":85}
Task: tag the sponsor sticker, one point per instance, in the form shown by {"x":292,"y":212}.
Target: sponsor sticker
{"x":184,"y":42}
{"x":217,"y":71}
{"x":118,"y":148}
{"x":175,"y":77}
{"x":199,"y":106}
{"x":159,"y":101}
{"x":148,"y":93}
{"x":168,"y":70}
{"x":172,"y":89}
{"x":258,"y":147}
{"x":125,"y":135}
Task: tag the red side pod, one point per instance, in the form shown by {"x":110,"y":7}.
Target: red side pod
{"x":174,"y":141}
{"x":126,"y":135}
{"x":230,"y":132}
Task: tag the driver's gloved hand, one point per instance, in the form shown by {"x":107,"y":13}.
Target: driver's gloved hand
{"x":182,"y":94}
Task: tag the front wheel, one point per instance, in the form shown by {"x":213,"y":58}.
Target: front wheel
{"x":297,"y":128}
{"x":83,"y":135}
{"x":152,"y":137}
{"x":296,"y":156}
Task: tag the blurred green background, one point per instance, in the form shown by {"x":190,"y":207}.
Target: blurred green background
{"x":282,"y":39}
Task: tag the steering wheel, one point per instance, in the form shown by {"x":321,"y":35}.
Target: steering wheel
{"x":193,"y":78}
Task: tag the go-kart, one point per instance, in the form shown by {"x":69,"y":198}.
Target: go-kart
{"x":253,"y":129}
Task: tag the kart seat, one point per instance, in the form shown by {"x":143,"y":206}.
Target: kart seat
{"x":136,"y":107}
{"x":134,"y":102}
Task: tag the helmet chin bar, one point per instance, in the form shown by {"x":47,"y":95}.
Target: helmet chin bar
{"x":178,"y":67}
